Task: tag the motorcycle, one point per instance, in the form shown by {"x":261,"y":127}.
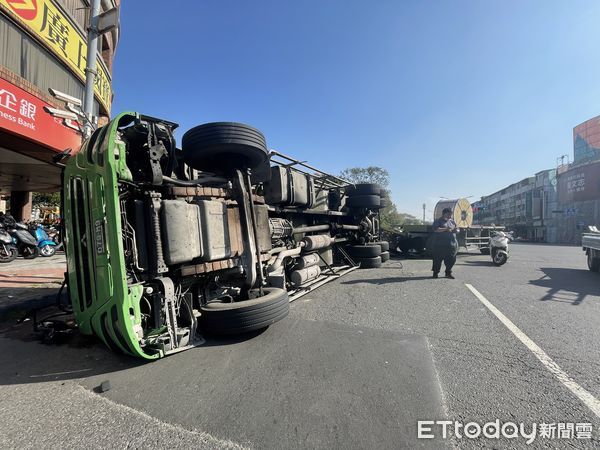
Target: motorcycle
{"x":8,"y":249}
{"x":499,"y":247}
{"x":46,"y":245}
{"x":26,"y":243}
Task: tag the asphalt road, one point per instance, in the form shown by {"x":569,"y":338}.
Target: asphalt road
{"x":356,"y":364}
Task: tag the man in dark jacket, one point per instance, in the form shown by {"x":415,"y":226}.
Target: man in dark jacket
{"x":445,"y":245}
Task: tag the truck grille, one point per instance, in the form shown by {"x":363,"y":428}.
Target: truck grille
{"x":81,"y":243}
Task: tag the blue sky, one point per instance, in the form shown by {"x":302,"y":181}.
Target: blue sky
{"x":453,"y":98}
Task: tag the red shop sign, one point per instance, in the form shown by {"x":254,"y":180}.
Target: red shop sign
{"x":23,"y":114}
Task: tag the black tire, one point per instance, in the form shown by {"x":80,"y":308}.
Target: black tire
{"x":385,"y":256}
{"x":384,"y":203}
{"x":484,"y":250}
{"x":593,"y":263}
{"x":30,"y":252}
{"x":363,"y":201}
{"x":364,"y":189}
{"x":385,"y":245}
{"x":370,"y":263}
{"x":47,"y":250}
{"x":10,"y":255}
{"x":383,"y":193}
{"x":364,"y":251}
{"x":500,"y":258}
{"x":248,"y":315}
{"x":221,"y":147}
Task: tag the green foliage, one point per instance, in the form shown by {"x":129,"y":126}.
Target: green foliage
{"x":367,"y":175}
{"x":46,"y":198}
{"x":390,"y":217}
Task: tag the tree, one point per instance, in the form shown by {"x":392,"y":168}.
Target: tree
{"x":389,"y":216}
{"x":46,"y":198}
{"x":370,"y":174}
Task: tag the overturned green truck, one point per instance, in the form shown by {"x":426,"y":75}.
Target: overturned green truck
{"x":167,"y":245}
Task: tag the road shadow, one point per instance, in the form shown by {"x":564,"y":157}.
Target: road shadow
{"x":388,"y":280}
{"x":27,"y":358}
{"x":485,"y":263}
{"x":567,"y":285}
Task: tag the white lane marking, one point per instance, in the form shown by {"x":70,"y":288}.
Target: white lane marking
{"x":588,"y":399}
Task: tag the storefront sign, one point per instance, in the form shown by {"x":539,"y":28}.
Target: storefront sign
{"x":23,"y":114}
{"x":580,"y":183}
{"x":43,"y":19}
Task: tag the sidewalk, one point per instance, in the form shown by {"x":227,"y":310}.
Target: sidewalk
{"x":29,"y":283}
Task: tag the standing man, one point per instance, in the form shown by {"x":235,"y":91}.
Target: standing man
{"x":445,"y":245}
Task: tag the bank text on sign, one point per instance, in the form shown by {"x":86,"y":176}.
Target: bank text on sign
{"x":23,"y":114}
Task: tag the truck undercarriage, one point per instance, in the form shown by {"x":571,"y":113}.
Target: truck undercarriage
{"x":167,"y":245}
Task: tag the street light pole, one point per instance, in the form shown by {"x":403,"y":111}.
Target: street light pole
{"x":90,"y":68}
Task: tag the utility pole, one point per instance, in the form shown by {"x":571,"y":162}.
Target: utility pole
{"x":424,"y":206}
{"x":90,"y":68}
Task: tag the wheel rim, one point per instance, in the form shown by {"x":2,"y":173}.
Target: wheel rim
{"x":47,"y":250}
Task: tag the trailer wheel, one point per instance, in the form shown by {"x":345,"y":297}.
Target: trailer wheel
{"x":364,"y":189}
{"x":385,"y":256}
{"x":248,"y":315}
{"x":364,"y":251}
{"x":364,"y":201}
{"x":221,"y":147}
{"x":593,"y":263}
{"x":370,"y":263}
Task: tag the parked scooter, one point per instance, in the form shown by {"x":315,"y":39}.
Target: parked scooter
{"x":46,"y":245}
{"x":499,"y":247}
{"x":8,"y":249}
{"x":26,"y":243}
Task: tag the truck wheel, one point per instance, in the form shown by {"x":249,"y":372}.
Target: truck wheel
{"x":369,"y":263}
{"x":593,"y":263}
{"x":364,"y":201}
{"x":385,"y":245}
{"x":364,"y":251}
{"x":221,"y":147}
{"x":364,"y":189}
{"x":385,"y":256}
{"x":248,"y":315}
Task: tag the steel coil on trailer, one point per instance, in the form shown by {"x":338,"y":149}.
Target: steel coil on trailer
{"x":462,"y":213}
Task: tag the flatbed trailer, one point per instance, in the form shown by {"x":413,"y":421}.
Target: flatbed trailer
{"x":416,"y":239}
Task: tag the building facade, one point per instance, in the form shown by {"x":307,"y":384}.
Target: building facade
{"x":43,"y":45}
{"x":525,"y":207}
{"x":586,"y":141}
{"x":555,"y":205}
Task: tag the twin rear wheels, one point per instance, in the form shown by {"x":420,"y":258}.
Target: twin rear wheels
{"x":371,"y":255}
{"x":366,"y":195}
